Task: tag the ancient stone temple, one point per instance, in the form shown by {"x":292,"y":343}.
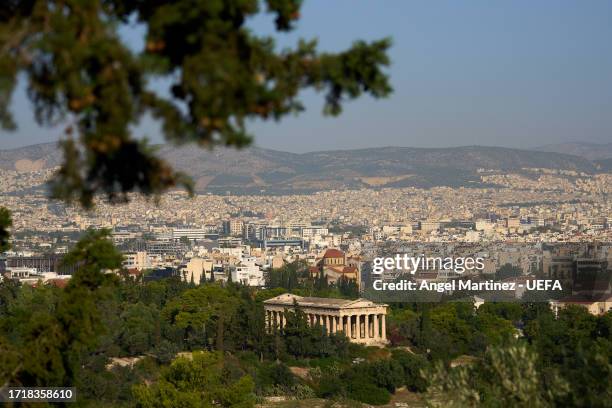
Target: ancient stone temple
{"x":361,"y":320}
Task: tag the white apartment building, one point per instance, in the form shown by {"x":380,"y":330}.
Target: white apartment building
{"x":193,"y":234}
{"x":247,"y":272}
{"x":310,"y":232}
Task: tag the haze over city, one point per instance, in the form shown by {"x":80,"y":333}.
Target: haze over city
{"x":517,"y":74}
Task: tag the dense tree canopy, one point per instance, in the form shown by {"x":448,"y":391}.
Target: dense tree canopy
{"x":80,"y":73}
{"x":199,"y":381}
{"x":46,"y":332}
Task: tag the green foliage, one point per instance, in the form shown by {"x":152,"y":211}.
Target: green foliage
{"x":387,"y":374}
{"x":368,"y":393}
{"x":506,"y":377}
{"x":196,"y":381}
{"x":448,"y":330}
{"x":51,"y":330}
{"x":5,"y":223}
{"x":222,"y":75}
{"x":494,"y":329}
{"x":94,"y":254}
{"x":302,"y":340}
{"x":196,"y":309}
{"x":288,"y":276}
{"x":139,"y":323}
{"x":370,"y":383}
{"x":414,"y":366}
{"x":580,"y":345}
{"x":100,"y":386}
{"x":348,"y":287}
{"x":512,"y":312}
{"x":277,"y":379}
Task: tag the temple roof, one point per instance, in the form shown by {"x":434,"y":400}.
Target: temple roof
{"x":330,"y":303}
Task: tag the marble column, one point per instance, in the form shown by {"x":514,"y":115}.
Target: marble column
{"x":365,"y":326}
{"x":384,"y":328}
{"x":348,"y":327}
{"x":376,"y":327}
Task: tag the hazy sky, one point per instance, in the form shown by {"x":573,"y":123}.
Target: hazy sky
{"x":513,"y":73}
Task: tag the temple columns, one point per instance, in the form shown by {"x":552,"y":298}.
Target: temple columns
{"x":367,"y":328}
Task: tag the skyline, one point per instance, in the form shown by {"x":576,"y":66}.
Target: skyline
{"x":518,"y":75}
{"x":535,"y":148}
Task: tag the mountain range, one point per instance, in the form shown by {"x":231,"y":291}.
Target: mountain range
{"x":256,"y":170}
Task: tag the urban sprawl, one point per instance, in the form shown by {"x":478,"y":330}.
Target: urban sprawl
{"x":336,"y":233}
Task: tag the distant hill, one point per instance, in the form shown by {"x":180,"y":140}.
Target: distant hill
{"x":604,"y":165}
{"x":31,"y":158}
{"x":257,"y":170}
{"x":591,"y":151}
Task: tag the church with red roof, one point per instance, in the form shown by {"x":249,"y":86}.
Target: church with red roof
{"x":334,"y":266}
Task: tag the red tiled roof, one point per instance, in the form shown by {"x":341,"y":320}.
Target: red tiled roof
{"x":333,"y":253}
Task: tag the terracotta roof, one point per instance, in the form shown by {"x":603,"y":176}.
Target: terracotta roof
{"x":333,"y":253}
{"x":341,"y":269}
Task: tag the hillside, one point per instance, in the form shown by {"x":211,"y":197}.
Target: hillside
{"x":256,"y":170}
{"x":591,"y":151}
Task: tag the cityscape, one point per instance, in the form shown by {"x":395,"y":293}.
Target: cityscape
{"x":543,"y":235}
{"x":305,"y":204}
{"x":242,"y":237}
